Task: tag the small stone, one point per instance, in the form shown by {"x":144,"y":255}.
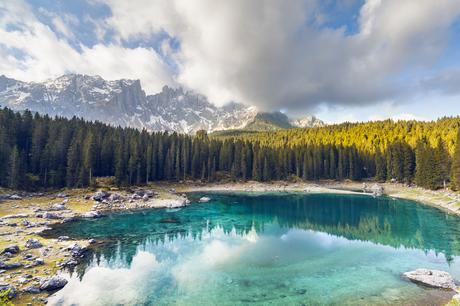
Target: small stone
{"x":39,"y":262}
{"x":62,"y":238}
{"x":92,"y":241}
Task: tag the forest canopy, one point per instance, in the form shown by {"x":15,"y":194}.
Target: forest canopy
{"x":41,"y":152}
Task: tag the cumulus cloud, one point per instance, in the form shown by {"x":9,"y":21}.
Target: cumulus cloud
{"x":273,"y":54}
{"x":31,"y":51}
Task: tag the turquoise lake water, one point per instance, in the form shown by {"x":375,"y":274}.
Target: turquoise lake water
{"x":271,"y":249}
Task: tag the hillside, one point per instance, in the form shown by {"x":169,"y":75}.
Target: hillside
{"x":368,"y":136}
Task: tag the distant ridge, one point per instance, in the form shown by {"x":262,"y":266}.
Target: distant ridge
{"x":124,"y":103}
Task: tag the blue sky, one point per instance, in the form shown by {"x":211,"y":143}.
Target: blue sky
{"x":343,"y":60}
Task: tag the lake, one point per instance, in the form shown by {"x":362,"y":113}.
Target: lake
{"x":265,"y":249}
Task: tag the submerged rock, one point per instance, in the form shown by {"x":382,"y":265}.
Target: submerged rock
{"x":53,"y":283}
{"x":92,"y":214}
{"x":432,"y":278}
{"x":205,"y":199}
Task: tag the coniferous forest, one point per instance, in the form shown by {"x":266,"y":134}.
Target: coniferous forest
{"x":39,"y":152}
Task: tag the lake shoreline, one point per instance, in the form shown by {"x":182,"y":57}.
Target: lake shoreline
{"x":445,"y":200}
{"x":20,"y":219}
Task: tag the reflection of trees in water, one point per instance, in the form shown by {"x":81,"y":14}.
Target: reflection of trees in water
{"x":383,"y":221}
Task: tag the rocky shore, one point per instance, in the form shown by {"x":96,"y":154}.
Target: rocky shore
{"x":30,"y":265}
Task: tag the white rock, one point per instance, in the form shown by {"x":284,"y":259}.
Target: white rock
{"x":432,"y":278}
{"x":205,"y":199}
{"x":91,"y":214}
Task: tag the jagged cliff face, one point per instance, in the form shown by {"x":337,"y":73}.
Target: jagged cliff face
{"x":124,"y":103}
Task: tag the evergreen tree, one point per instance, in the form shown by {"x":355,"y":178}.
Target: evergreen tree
{"x":456,"y":165}
{"x":15,"y":169}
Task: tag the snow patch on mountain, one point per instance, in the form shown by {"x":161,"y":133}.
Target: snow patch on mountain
{"x":124,"y":103}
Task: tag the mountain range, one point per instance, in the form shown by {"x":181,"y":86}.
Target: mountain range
{"x":124,"y":103}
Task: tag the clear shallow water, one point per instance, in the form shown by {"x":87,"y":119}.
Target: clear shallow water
{"x":289,"y":249}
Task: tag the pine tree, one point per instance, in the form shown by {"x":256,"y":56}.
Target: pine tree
{"x":14,"y":169}
{"x":442,"y":164}
{"x":380,"y":167}
{"x":422,"y":161}
{"x":455,"y":171}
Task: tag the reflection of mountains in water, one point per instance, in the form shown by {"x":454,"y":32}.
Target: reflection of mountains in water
{"x":385,"y":221}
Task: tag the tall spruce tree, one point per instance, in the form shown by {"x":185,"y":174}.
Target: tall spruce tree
{"x":455,"y":172}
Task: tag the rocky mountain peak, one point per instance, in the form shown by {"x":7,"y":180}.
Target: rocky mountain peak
{"x":124,"y":103}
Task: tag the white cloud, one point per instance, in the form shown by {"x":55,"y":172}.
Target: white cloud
{"x":265,"y":52}
{"x":47,"y":56}
{"x":273,"y":54}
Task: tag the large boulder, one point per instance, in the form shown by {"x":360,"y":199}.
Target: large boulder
{"x":432,"y":278}
{"x":33,"y":244}
{"x":100,"y":195}
{"x":9,"y":266}
{"x":12,"y":249}
{"x":76,"y":250}
{"x":115,"y":197}
{"x":53,"y":283}
{"x":377,"y":190}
